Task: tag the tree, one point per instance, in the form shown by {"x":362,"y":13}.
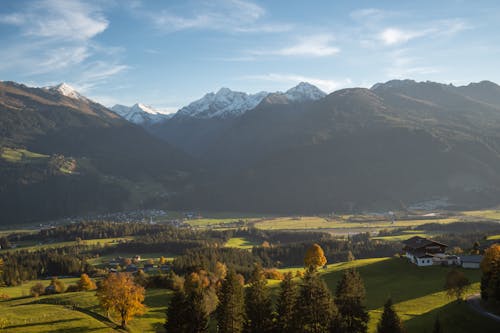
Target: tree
{"x":437,"y":326}
{"x":315,"y":308}
{"x":456,"y":284}
{"x":230,"y":313}
{"x":162,"y":260}
{"x":120,"y":296}
{"x":315,"y":257}
{"x":37,"y":289}
{"x":286,"y":317}
{"x":56,"y":286}
{"x":390,"y":322}
{"x":490,"y":279}
{"x":197,"y":314}
{"x":349,"y":298}
{"x":258,"y":304}
{"x":177,"y":314}
{"x":85,"y":283}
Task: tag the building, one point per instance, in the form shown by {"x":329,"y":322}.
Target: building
{"x":473,"y":261}
{"x":421,"y":251}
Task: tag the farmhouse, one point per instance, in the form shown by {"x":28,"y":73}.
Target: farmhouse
{"x":473,"y":261}
{"x":421,"y":251}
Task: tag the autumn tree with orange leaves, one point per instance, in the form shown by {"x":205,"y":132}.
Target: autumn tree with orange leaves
{"x":121,"y":297}
{"x":315,"y":257}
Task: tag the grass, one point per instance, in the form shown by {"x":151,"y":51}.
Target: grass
{"x":416,"y":291}
{"x":241,"y":243}
{"x":54,"y":313}
{"x":208,"y":222}
{"x":494,"y":237}
{"x":32,"y":246}
{"x":341,"y":225}
{"x":492,"y":214}
{"x":19,"y":155}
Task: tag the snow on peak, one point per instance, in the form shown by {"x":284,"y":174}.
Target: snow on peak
{"x":66,"y":90}
{"x":304,"y":92}
{"x":226,"y":103}
{"x":139,"y":113}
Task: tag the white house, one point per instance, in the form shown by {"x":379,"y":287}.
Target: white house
{"x":473,"y":261}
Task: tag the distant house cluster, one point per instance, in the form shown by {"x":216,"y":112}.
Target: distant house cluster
{"x":134,"y":264}
{"x":426,"y":252}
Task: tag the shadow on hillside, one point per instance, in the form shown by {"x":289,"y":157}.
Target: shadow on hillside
{"x":454,"y":317}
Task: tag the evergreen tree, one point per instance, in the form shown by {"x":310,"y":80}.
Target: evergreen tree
{"x":390,"y":322}
{"x":315,"y":308}
{"x":349,"y":298}
{"x":230,"y":312}
{"x":286,"y":317}
{"x":258,"y":304}
{"x":176,"y":313}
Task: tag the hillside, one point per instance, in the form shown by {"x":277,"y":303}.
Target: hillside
{"x":64,"y":156}
{"x":398,"y":143}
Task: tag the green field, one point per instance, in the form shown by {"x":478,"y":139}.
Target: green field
{"x":19,"y":155}
{"x":340,"y":224}
{"x":32,"y":246}
{"x":75,"y":312}
{"x":240,"y":242}
{"x":417,"y":293}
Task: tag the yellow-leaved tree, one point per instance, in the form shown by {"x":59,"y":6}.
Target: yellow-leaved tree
{"x":315,"y":257}
{"x":85,"y":283}
{"x":121,"y":297}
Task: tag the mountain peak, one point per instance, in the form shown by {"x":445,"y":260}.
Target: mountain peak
{"x":66,"y":90}
{"x":303,"y":92}
{"x":139,"y":113}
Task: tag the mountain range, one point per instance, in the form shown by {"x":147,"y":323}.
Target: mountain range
{"x":302,"y":151}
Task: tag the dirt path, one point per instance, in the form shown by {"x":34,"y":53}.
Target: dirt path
{"x":474,"y":301}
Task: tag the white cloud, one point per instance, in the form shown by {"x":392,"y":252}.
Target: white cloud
{"x":391,"y":36}
{"x":59,"y":19}
{"x":56,"y":38}
{"x":224,"y":15}
{"x":324,"y":84}
{"x":315,"y":46}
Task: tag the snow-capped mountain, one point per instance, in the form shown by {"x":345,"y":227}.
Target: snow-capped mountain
{"x":140,"y":113}
{"x":304,"y":92}
{"x":227,"y":103}
{"x":223,"y":104}
{"x":66,"y":90}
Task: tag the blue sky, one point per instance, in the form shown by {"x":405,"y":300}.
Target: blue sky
{"x":169,"y":53}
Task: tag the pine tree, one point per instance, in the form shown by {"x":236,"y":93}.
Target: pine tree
{"x":315,"y":308}
{"x":258,"y":304}
{"x":230,"y":313}
{"x":286,"y":317}
{"x":349,"y":298}
{"x":197,"y":314}
{"x":390,"y":322}
{"x":176,"y":313}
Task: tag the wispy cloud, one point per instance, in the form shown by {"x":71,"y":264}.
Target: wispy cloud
{"x":56,"y":37}
{"x":223,"y":15}
{"x":64,"y":19}
{"x":393,"y":36}
{"x":324,"y":84}
{"x":404,"y":65}
{"x":315,"y":46}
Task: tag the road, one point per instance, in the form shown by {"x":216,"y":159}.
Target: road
{"x":474,"y":301}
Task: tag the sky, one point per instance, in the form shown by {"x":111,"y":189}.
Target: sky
{"x":168,"y":53}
